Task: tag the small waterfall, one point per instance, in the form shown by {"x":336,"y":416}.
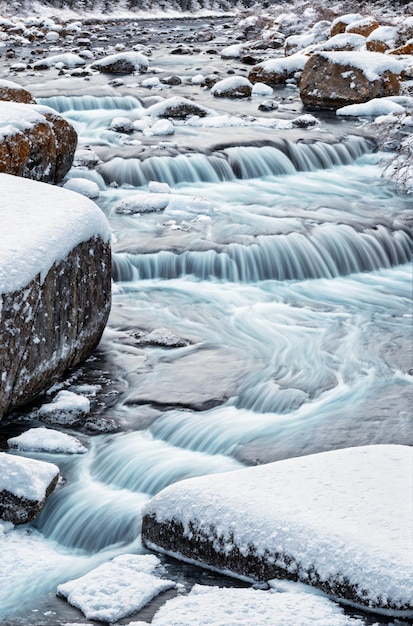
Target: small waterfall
{"x":62,"y":103}
{"x":138,"y":462}
{"x":243,"y":162}
{"x":327,"y":252}
{"x":90,"y":516}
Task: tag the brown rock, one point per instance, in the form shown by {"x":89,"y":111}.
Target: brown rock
{"x":375,"y":45}
{"x":277,"y":71}
{"x":41,"y":145}
{"x":407,"y":48}
{"x":333,"y":79}
{"x":363,"y":27}
{"x":14,"y":93}
{"x":340,"y":24}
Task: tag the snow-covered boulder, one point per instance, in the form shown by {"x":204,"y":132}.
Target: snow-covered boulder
{"x":177,"y":107}
{"x":340,"y":24}
{"x":363,"y":26}
{"x":382,"y":39}
{"x":24,"y":486}
{"x":122,"y":63}
{"x":55,"y":284}
{"x":334,"y":79}
{"x":35,"y":142}
{"x":277,"y":71}
{"x":340,"y":521}
{"x":15,"y":93}
{"x":232,"y":87}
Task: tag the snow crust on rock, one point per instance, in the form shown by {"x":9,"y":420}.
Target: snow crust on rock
{"x":116,"y":588}
{"x":138,"y":60}
{"x":66,"y":401}
{"x":83,"y":186}
{"x":17,"y":118}
{"x":216,"y":606}
{"x":292,"y":63}
{"x":41,"y":224}
{"x":345,"y":513}
{"x":175,"y":102}
{"x":67,"y":59}
{"x":46,"y":440}
{"x":232,"y":83}
{"x":374,"y":107}
{"x":372,"y":64}
{"x":24,"y":477}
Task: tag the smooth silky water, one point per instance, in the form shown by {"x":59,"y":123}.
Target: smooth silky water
{"x":284,"y":270}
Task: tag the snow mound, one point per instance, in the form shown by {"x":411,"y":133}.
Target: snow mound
{"x":327,"y":520}
{"x":116,"y":588}
{"x":375,"y":107}
{"x":215,"y":606}
{"x":46,"y":440}
{"x":87,"y":188}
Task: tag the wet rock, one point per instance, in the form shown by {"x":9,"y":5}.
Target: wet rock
{"x":25,"y":484}
{"x":268,"y":105}
{"x":163,"y":338}
{"x":171,"y":80}
{"x":334,"y":79}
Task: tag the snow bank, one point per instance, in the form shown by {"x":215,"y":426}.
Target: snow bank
{"x":41,"y":224}
{"x":46,"y":440}
{"x":215,"y":606}
{"x":117,"y":588}
{"x":327,"y":520}
{"x":26,"y":478}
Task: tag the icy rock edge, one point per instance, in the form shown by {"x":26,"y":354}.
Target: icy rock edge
{"x":340,"y":521}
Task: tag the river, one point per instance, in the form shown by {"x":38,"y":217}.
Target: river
{"x":262,"y":312}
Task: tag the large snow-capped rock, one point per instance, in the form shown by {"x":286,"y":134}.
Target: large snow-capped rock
{"x":24,"y":486}
{"x":35,"y":142}
{"x":15,"y":93}
{"x":341,"y":521}
{"x":55,"y":284}
{"x":334,"y":79}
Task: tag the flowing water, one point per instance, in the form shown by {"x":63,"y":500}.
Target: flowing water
{"x":263,"y":311}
